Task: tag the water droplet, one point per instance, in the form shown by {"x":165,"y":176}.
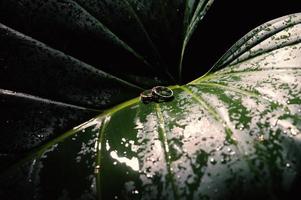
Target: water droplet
{"x":114,"y":163}
{"x":260,"y":138}
{"x":135,"y":192}
{"x":175,"y":151}
{"x":212,"y":161}
{"x":40,"y":136}
{"x":288,"y":165}
{"x":294,"y":132}
{"x":219,"y":148}
{"x":96,"y":169}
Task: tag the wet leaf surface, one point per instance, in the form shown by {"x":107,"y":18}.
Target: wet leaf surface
{"x":231,"y":134}
{"x":65,"y":61}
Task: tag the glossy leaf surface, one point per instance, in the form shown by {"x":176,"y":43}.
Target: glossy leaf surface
{"x":64,"y":61}
{"x":232,"y":134}
{"x":147,"y":37}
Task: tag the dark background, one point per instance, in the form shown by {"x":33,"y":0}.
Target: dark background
{"x":225,"y":23}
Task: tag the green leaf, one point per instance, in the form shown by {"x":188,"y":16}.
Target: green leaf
{"x":231,"y":134}
{"x":146,"y":37}
{"x":65,"y":61}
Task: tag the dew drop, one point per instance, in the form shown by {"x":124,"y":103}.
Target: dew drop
{"x":260,"y":138}
{"x":114,"y":163}
{"x":212,"y":161}
{"x":219,"y":148}
{"x":175,"y":151}
{"x":294,"y":132}
{"x":288,"y":165}
{"x":96,"y":169}
{"x":135,"y":192}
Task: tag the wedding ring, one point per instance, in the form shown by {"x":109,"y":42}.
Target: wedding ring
{"x":146,"y":96}
{"x":161,"y":93}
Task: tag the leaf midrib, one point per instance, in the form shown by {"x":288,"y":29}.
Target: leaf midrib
{"x":164,"y":141}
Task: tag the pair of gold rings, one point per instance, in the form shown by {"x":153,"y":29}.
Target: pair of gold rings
{"x":157,"y":94}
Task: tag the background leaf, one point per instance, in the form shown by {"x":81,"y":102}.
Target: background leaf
{"x":145,"y":36}
{"x":232,"y":134}
{"x":210,"y":40}
{"x":64,"y":61}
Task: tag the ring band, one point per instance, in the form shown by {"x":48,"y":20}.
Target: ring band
{"x":162,"y":93}
{"x":146,"y":96}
